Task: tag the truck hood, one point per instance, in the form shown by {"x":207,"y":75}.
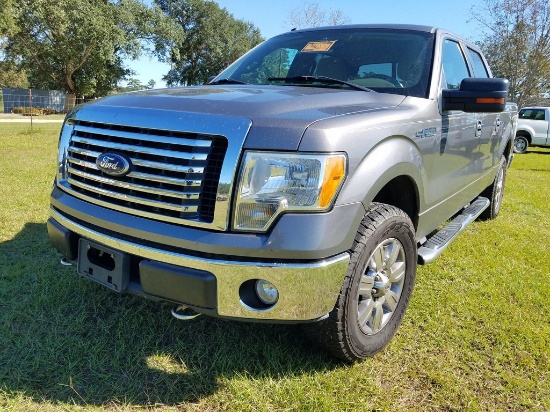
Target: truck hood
{"x":279,"y":114}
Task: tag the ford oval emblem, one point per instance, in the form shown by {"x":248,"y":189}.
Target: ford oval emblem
{"x":114,"y":164}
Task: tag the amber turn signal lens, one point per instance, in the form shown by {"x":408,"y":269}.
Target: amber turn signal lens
{"x":334,"y":173}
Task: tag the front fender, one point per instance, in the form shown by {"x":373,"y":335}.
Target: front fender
{"x":393,"y":157}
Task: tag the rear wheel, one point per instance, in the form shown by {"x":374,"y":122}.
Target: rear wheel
{"x":377,"y":287}
{"x":495,"y":193}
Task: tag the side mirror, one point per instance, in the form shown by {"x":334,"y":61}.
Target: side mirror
{"x":477,"y":95}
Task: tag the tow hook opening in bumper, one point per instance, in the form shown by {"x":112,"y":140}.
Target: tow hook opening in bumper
{"x":183,"y":312}
{"x":66,"y":262}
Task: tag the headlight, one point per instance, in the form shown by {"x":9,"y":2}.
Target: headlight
{"x":271,"y":183}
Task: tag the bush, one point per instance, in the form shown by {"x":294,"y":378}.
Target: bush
{"x":48,"y":110}
{"x":27,"y":111}
{"x":34,"y":111}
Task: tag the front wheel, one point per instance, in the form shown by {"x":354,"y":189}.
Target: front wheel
{"x":376,"y":289}
{"x":521,"y":143}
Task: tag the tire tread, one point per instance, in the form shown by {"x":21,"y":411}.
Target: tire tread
{"x":330,"y":333}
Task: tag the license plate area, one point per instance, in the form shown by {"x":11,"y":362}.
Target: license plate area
{"x":104,"y":265}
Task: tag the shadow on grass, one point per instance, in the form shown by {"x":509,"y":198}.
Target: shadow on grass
{"x":66,"y":340}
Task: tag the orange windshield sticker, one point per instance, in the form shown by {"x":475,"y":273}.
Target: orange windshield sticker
{"x":318,"y":46}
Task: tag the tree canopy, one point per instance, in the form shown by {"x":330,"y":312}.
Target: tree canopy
{"x":211,"y":39}
{"x":10,"y":74}
{"x":516,"y":42}
{"x":79,"y":45}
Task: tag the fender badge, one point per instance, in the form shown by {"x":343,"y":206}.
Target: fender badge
{"x":429,"y":132}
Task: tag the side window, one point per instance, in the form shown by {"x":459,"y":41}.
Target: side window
{"x":524,"y":113}
{"x":532,"y":114}
{"x":479,"y":67}
{"x":454,"y":64}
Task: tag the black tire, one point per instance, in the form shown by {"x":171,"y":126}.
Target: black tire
{"x":495,"y":192}
{"x":376,"y":289}
{"x":521,"y":143}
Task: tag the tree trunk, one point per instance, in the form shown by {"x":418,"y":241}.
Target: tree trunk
{"x":70,"y":101}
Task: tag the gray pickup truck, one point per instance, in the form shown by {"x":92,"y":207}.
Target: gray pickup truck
{"x":303,"y":184}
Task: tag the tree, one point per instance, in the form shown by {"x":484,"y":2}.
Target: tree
{"x":312,"y":15}
{"x":210,"y":40}
{"x":134,"y":84}
{"x":10,"y":74}
{"x":516,"y":42}
{"x":79,"y":45}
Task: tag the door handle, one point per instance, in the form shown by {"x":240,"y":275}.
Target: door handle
{"x":479,"y":128}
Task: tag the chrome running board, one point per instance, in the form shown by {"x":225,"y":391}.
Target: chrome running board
{"x":440,"y":240}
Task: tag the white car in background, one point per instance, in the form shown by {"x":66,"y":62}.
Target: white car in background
{"x":533,"y":128}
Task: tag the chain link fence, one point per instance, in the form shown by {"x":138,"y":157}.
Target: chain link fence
{"x":36,"y":102}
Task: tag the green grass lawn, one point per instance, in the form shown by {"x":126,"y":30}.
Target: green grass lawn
{"x":476,"y":335}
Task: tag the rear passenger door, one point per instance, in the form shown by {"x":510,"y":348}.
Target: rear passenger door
{"x":488,"y":125}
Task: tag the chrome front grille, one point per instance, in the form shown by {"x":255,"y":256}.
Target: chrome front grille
{"x":175,"y":175}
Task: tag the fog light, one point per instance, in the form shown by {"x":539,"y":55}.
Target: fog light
{"x":267,"y":292}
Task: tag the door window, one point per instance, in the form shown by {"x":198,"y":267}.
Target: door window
{"x":479,"y":67}
{"x":454,"y":65}
{"x":532,"y":114}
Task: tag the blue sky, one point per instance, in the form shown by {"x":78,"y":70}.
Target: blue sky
{"x":270,"y":17}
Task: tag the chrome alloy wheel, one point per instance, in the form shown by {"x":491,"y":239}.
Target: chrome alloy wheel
{"x":381,"y":286}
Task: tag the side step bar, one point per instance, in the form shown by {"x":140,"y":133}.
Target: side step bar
{"x":440,"y":240}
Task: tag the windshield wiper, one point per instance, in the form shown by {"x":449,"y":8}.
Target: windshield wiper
{"x":228,"y":81}
{"x":318,"y":79}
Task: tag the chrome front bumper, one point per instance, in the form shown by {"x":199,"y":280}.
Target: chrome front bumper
{"x":307,"y":291}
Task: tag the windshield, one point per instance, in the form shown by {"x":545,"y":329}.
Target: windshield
{"x":383,"y":60}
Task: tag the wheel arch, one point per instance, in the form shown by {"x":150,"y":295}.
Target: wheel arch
{"x":509,"y":151}
{"x":391,"y":173}
{"x":525,"y":133}
{"x":402,"y":193}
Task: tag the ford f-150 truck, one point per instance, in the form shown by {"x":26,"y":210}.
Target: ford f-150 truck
{"x":533,"y":128}
{"x":303,"y":184}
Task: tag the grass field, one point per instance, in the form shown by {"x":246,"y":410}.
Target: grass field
{"x":476,"y":336}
